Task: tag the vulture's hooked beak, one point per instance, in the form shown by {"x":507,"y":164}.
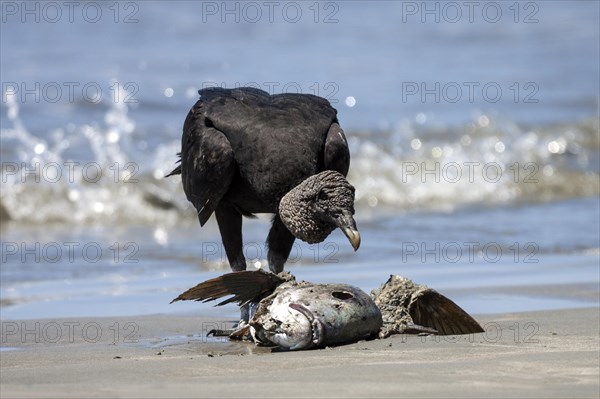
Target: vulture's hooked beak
{"x":348,"y":225}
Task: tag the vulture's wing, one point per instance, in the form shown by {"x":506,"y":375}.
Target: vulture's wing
{"x":337,"y":154}
{"x":207,"y":163}
{"x":243,"y":286}
{"x":278,"y":140}
{"x":429,"y":308}
{"x":248,"y":109}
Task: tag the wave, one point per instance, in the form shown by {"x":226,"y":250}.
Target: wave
{"x":489,"y":161}
{"x":108,"y":173}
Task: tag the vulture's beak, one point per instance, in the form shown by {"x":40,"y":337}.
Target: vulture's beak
{"x":348,"y":225}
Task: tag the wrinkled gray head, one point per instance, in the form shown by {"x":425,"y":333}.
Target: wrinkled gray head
{"x":319,"y":205}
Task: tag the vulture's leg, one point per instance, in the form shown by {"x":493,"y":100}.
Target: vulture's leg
{"x":230,"y":226}
{"x":280,"y":242}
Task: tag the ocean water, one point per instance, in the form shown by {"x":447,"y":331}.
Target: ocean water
{"x":473,"y":129}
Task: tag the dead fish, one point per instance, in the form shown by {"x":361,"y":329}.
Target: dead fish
{"x":294,"y":315}
{"x":303,"y":315}
{"x":410,"y":308}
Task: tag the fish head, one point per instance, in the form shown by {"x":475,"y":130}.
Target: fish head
{"x":293,"y":327}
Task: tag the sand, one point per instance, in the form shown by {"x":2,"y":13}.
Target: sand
{"x":536,"y":354}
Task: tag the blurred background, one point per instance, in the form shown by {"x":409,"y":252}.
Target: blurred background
{"x":473,"y":129}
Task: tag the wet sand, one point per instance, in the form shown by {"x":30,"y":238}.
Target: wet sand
{"x":535,"y":354}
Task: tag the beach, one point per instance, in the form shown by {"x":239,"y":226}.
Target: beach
{"x":532,"y":354}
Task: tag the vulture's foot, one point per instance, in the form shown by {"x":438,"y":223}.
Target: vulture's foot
{"x":240,"y":332}
{"x":247,"y":312}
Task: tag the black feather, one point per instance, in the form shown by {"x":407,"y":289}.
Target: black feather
{"x":176,"y":171}
{"x":244,"y":287}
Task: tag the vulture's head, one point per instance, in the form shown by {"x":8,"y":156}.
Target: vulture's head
{"x":319,"y":205}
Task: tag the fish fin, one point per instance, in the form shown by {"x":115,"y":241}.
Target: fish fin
{"x":429,"y":308}
{"x":244,"y":287}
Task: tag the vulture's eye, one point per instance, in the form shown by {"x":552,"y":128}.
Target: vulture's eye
{"x":323,"y":195}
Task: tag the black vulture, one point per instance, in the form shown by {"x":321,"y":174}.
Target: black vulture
{"x":244,"y":151}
